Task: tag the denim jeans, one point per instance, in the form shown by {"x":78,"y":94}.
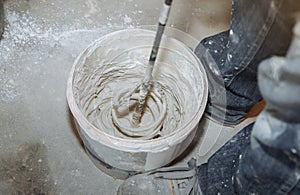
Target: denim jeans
{"x":259,"y":30}
{"x":263,"y":158}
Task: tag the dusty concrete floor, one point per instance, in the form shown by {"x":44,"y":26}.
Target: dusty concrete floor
{"x":39,"y":149}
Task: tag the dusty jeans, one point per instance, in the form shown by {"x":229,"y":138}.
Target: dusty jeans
{"x":259,"y":29}
{"x":263,"y":158}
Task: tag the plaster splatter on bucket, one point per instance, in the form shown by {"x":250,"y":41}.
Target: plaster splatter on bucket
{"x":101,"y":98}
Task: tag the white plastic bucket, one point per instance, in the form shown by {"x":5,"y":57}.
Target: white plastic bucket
{"x":120,"y":156}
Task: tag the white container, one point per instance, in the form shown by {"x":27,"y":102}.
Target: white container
{"x":112,"y":152}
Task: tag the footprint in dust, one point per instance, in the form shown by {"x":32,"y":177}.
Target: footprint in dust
{"x":26,"y":171}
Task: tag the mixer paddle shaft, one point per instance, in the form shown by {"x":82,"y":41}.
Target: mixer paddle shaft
{"x":145,"y":87}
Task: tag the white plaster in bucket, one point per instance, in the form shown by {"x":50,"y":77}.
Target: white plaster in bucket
{"x":175,"y":61}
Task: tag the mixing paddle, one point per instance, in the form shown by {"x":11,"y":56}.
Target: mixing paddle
{"x":144,"y":88}
{"x":147,"y":93}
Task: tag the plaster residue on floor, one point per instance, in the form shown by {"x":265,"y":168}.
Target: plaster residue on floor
{"x":39,"y":45}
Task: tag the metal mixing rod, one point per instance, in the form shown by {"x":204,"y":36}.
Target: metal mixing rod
{"x":145,"y":86}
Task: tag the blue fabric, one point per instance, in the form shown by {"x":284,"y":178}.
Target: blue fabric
{"x":217,"y":175}
{"x":269,"y":168}
{"x":271,"y":165}
{"x":263,"y":158}
{"x":259,"y":29}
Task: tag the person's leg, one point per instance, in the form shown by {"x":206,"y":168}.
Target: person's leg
{"x":215,"y":176}
{"x":269,"y":162}
{"x":272,"y":163}
{"x":235,"y":54}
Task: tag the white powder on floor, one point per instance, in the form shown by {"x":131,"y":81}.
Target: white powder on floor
{"x":27,"y":38}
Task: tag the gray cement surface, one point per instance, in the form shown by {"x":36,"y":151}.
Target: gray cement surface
{"x":39,"y":148}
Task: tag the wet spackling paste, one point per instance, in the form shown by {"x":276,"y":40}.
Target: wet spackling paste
{"x":102,"y":96}
{"x":124,"y":107}
{"x":103,"y":90}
